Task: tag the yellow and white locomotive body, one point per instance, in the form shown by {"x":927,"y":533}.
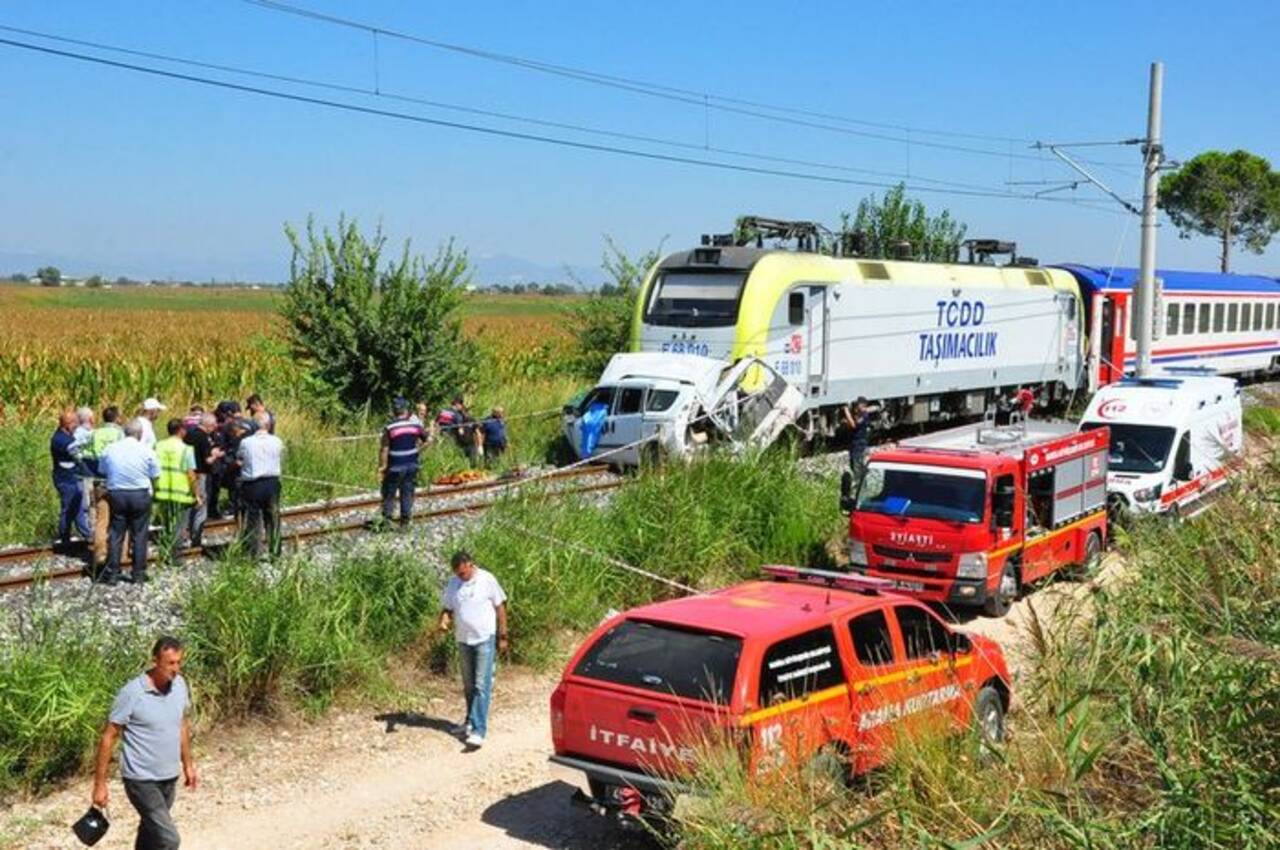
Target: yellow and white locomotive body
{"x":930,"y":341}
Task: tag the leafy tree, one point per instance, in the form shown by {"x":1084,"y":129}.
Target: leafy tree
{"x":19,"y":277}
{"x":49,"y":276}
{"x":370,"y":330}
{"x":1234,"y":197}
{"x":602,"y":323}
{"x":896,"y":220}
{"x":94,"y":282}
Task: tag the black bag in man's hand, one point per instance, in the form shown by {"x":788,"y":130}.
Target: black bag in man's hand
{"x":91,"y":826}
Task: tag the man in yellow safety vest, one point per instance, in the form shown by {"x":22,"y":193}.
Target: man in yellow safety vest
{"x":176,"y":491}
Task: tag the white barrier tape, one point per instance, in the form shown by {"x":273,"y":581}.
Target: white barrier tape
{"x":608,"y":559}
{"x":428,"y":426}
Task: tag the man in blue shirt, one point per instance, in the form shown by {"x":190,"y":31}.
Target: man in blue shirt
{"x":66,"y":479}
{"x":130,"y":468}
{"x":150,"y":714}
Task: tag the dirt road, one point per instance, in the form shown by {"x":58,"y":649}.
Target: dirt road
{"x":393,"y":780}
{"x":398,"y":779}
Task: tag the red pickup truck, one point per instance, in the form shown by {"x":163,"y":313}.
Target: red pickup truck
{"x":809,"y":667}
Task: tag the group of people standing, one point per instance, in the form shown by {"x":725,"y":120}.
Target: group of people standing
{"x":113,"y":478}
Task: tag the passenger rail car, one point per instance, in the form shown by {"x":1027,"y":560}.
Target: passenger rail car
{"x":929,"y":340}
{"x":938,"y":341}
{"x":1224,"y":322}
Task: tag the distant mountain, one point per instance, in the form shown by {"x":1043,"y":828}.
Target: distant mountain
{"x":494,"y":269}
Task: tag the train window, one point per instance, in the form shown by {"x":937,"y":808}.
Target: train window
{"x":1257,"y":317}
{"x":795,"y":308}
{"x":1171,"y":321}
{"x":1245,"y":315}
{"x":696,"y":299}
{"x":1219,"y":317}
{"x":1188,"y":318}
{"x":1271,"y":316}
{"x":1204,"y":318}
{"x":1037,"y":278}
{"x":1233,"y":317}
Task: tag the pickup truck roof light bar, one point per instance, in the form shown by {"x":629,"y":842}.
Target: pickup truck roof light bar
{"x":828,"y":578}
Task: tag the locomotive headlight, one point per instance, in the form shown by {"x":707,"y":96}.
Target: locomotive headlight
{"x":1148,"y":494}
{"x":857,"y":553}
{"x":972,"y":565}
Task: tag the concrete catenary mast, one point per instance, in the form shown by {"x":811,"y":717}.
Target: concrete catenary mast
{"x":1153,"y":157}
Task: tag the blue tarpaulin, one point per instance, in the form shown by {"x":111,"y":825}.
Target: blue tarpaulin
{"x":592,"y":424}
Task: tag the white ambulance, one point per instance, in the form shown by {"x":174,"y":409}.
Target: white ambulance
{"x":1175,"y":438}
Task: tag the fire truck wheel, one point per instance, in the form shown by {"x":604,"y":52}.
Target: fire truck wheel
{"x":988,"y":715}
{"x":1092,"y":555}
{"x":999,"y":602}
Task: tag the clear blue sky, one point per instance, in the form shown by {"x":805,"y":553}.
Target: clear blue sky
{"x":105,"y":169}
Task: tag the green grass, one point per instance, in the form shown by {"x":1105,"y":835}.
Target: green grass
{"x":261,"y":643}
{"x":129,"y":298}
{"x":55,"y":691}
{"x":256,"y":645}
{"x":480,"y":304}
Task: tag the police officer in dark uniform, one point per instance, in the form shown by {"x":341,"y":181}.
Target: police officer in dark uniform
{"x":398,"y":459}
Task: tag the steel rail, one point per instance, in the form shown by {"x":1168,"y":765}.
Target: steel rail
{"x":360,"y":523}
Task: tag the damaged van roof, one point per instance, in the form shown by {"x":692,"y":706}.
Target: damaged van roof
{"x":701,"y":372}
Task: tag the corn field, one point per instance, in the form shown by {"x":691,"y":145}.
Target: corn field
{"x":128,"y":346}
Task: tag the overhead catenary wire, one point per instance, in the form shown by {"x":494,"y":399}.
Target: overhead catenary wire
{"x":513,"y":134}
{"x":379,"y":92}
{"x":703,"y":100}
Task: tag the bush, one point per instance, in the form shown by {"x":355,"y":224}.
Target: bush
{"x":703,"y":524}
{"x":369,"y":333}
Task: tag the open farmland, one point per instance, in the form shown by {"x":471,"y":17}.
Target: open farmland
{"x":61,"y":347}
{"x":74,"y":346}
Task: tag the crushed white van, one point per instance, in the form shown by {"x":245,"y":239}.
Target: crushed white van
{"x":661,"y":405}
{"x":1175,"y":438}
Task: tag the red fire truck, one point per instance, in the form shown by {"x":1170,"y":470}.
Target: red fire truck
{"x":969,"y":515}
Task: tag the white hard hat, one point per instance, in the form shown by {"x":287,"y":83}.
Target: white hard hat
{"x":153,"y":404}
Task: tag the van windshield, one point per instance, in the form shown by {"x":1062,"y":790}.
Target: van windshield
{"x":695,"y":299}
{"x":668,"y":659}
{"x":1136,"y":448}
{"x":924,"y":493}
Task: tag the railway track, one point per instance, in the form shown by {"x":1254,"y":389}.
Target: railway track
{"x":359,"y":520}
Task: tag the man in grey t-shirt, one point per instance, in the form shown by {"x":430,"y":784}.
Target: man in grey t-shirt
{"x":150,"y":713}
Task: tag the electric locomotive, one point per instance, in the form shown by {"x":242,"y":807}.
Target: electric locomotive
{"x":936,"y":341}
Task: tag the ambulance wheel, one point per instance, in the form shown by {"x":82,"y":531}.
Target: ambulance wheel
{"x":988,"y":715}
{"x":829,"y":765}
{"x":1006,"y":592}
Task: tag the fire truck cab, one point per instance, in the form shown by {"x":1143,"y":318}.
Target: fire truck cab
{"x":967,"y":516}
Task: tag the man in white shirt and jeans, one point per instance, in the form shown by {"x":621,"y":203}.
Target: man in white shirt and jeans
{"x":476,"y":603}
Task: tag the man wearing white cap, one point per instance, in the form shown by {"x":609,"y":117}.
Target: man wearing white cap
{"x":150,"y":411}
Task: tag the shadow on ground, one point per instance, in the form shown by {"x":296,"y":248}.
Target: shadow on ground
{"x":395,"y":719}
{"x":544,"y":816}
